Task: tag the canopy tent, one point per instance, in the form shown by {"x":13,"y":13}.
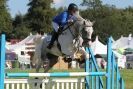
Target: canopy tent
{"x":101,"y":49}
{"x":121,"y":59}
{"x":98,"y":47}
{"x":123,"y":42}
{"x":21,"y":49}
{"x":21,"y":44}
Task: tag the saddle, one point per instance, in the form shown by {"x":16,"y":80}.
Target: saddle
{"x":56,"y":43}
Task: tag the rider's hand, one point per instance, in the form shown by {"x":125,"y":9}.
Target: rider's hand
{"x":70,"y":21}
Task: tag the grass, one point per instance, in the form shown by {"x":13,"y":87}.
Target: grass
{"x":126,"y":74}
{"x":128,"y":78}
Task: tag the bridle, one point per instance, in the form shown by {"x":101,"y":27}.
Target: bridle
{"x":79,"y":35}
{"x":84,"y":26}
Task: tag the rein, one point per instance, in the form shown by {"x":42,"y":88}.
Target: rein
{"x":69,"y":26}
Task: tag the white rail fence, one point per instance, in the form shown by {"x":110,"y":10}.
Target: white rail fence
{"x":54,"y":83}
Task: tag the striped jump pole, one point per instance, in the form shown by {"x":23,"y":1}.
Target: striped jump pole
{"x":58,"y":74}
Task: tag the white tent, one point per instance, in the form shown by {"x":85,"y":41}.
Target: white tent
{"x":121,"y":59}
{"x":123,"y":42}
{"x":98,"y":47}
{"x":21,"y":44}
{"x":20,"y":49}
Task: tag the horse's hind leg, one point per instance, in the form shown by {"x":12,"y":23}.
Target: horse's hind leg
{"x":38,"y":66}
{"x":46,"y":65}
{"x":46,"y":68}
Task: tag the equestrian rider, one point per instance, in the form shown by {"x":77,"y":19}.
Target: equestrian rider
{"x":61,"y":20}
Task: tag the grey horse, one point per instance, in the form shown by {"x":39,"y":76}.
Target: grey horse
{"x":72,"y":41}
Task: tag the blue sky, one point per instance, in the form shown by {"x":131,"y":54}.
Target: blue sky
{"x":20,"y":6}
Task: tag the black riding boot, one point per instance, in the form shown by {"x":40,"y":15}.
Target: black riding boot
{"x":54,"y":37}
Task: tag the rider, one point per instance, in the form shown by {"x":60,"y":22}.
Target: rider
{"x":61,"y":20}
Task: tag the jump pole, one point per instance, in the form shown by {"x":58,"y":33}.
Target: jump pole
{"x":87,"y":70}
{"x":2,"y":60}
{"x":109,"y":53}
{"x":58,"y":74}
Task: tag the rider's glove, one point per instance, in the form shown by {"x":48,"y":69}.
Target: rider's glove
{"x":70,"y":21}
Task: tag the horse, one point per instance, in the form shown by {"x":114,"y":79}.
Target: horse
{"x":72,"y":40}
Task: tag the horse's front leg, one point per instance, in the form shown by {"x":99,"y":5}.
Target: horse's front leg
{"x":38,"y":65}
{"x":90,"y":37}
{"x":85,"y":54}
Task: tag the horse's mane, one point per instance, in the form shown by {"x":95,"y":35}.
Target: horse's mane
{"x":78,"y":16}
{"x":81,"y":20}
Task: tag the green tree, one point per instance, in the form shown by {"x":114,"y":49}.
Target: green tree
{"x":5,"y":18}
{"x":110,"y":21}
{"x":92,"y":3}
{"x":40,"y":15}
{"x":20,"y":28}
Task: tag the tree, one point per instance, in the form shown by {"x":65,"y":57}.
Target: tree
{"x":5,"y":18}
{"x":40,"y":15}
{"x":110,"y":21}
{"x":92,"y":3}
{"x":20,"y":28}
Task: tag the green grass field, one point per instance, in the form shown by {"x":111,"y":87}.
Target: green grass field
{"x":126,"y":74}
{"x":128,"y":78}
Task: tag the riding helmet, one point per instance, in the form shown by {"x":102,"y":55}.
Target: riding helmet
{"x":73,"y":6}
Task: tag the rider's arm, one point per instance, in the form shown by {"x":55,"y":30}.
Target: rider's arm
{"x":64,"y":19}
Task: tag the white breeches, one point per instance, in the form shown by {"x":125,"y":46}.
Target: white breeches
{"x":55,"y":26}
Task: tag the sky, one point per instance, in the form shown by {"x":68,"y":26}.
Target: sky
{"x":20,"y":6}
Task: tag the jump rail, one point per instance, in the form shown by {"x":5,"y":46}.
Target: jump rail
{"x":58,"y":74}
{"x":92,"y":74}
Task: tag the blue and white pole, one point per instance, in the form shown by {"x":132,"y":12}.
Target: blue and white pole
{"x":2,"y":60}
{"x":109,"y":56}
{"x":87,"y":70}
{"x":58,"y":74}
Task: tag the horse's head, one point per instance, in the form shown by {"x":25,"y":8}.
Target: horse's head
{"x":84,"y":28}
{"x":87,"y":32}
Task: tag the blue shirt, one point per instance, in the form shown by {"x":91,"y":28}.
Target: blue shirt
{"x":62,"y":18}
